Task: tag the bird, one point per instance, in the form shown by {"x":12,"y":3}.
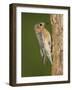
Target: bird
{"x":44,"y":40}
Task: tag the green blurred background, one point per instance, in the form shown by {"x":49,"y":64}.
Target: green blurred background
{"x":31,"y":59}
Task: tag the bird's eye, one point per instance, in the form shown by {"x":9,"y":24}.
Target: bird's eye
{"x":40,"y":24}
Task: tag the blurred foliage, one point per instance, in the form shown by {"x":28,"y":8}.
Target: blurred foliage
{"x":31,"y":59}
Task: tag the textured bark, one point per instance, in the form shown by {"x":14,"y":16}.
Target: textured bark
{"x":57,"y":43}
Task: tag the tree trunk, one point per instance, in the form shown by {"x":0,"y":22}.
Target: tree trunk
{"x":57,"y":43}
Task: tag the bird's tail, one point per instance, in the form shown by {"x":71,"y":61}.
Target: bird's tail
{"x":45,"y":55}
{"x":50,"y":58}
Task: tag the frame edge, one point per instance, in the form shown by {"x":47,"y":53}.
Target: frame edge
{"x":12,"y":48}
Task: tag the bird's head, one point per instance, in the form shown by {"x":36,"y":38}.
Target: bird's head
{"x":39,"y":27}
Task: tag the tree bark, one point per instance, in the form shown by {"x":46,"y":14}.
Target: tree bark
{"x":57,"y":43}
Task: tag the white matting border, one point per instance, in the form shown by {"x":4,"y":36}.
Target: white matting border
{"x":63,"y":77}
